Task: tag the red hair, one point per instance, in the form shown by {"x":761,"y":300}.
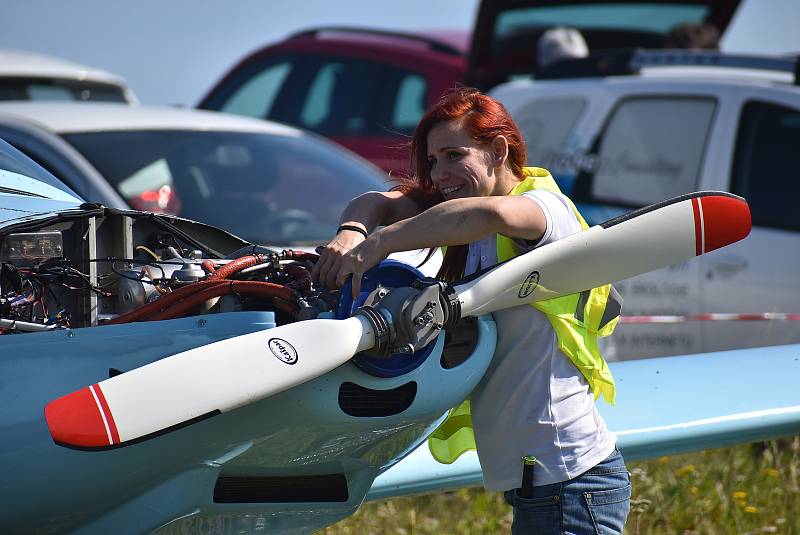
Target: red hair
{"x":484,"y":118}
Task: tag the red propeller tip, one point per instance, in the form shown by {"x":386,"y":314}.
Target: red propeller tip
{"x":82,"y":419}
{"x":720,"y":221}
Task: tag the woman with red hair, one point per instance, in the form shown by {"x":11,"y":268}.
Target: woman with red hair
{"x":472,"y":193}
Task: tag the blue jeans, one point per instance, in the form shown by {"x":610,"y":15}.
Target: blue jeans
{"x":597,"y":501}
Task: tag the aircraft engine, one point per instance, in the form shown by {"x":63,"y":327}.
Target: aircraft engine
{"x":108,"y":267}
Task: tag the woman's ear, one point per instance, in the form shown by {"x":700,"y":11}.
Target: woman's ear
{"x":499,"y":148}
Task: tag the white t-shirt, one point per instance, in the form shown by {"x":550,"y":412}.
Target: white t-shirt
{"x":532,"y":399}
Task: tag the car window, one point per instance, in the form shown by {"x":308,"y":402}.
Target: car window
{"x":270,"y":189}
{"x":402,"y":101}
{"x":410,"y":102}
{"x":48,"y":92}
{"x":765,"y":163}
{"x":339,"y":97}
{"x":319,"y":103}
{"x":151,"y":188}
{"x":330,"y":95}
{"x":546,"y":124}
{"x":27,"y":89}
{"x":651,"y":149}
{"x":255,"y":97}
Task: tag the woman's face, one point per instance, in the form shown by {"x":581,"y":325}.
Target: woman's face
{"x":459,"y":166}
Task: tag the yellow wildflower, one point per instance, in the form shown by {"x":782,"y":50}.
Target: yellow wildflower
{"x":771,"y":472}
{"x":663,"y":460}
{"x":684,"y":470}
{"x":750,"y":509}
{"x":740,"y":495}
{"x":694,"y":491}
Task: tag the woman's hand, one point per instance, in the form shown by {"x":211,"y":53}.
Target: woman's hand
{"x":327,"y":267}
{"x":365,"y":255}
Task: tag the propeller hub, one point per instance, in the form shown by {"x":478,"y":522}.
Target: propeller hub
{"x":407,"y":319}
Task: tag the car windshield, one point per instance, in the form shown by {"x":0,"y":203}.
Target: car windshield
{"x":265,"y":188}
{"x":19,"y":169}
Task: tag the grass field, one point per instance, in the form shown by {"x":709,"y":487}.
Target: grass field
{"x":744,"y":489}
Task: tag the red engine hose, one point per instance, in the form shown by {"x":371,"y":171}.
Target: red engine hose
{"x":237,"y":265}
{"x":290,"y":254}
{"x":285,"y":297}
{"x":162,"y":302}
{"x":192,"y":295}
{"x":208,"y":266}
{"x":302,"y":278}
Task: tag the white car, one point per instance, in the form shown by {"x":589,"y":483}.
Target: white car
{"x":30,"y":76}
{"x":261,"y":180}
{"x":628,"y":130}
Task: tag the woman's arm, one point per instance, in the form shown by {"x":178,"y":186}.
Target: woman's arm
{"x":454,"y":222}
{"x":366,"y":211}
{"x":375,"y":208}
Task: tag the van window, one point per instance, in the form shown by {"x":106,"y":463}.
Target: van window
{"x":765,"y":164}
{"x":546,"y":124}
{"x":254,"y":98}
{"x":651,"y":149}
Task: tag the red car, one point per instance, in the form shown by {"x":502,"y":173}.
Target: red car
{"x":367,"y":89}
{"x":364,"y":89}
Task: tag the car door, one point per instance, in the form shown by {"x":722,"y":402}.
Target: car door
{"x":759,"y":274}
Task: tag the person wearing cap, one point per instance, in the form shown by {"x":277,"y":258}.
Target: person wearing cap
{"x":560,"y":43}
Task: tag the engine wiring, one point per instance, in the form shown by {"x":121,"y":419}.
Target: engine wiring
{"x":47,"y":295}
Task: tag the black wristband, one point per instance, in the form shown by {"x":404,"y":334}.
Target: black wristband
{"x":353,"y":228}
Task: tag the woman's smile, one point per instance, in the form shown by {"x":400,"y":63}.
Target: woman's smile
{"x":449,"y":190}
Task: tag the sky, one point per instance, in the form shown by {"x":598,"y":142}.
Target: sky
{"x":173,"y":51}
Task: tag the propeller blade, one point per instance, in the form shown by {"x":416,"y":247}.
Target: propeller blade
{"x":195,"y":384}
{"x":650,"y":238}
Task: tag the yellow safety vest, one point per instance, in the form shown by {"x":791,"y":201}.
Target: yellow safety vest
{"x":578,"y":320}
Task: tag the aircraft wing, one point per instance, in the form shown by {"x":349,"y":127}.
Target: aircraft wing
{"x":665,"y":406}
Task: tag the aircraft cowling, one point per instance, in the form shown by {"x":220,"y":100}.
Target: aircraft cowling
{"x":325,"y":434}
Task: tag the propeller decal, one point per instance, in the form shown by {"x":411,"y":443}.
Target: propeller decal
{"x":283,"y":350}
{"x":529,"y":285}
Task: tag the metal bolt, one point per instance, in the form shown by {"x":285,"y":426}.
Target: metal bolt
{"x":438,"y":325}
{"x":382,"y":292}
{"x":431,"y":304}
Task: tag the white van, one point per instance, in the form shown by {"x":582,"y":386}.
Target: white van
{"x":667,"y":123}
